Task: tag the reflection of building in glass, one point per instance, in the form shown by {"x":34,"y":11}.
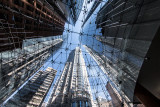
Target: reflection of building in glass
{"x":20,"y":64}
{"x":34,"y":92}
{"x":73,"y":88}
{"x":118,"y":36}
{"x":110,"y":70}
{"x":89,"y":29}
{"x":116,"y":98}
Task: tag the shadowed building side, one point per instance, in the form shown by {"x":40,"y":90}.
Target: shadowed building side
{"x":125,"y":30}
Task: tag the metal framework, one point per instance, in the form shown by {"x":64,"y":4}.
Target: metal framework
{"x":114,"y":38}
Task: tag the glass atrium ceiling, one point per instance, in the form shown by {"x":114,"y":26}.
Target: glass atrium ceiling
{"x":73,"y":36}
{"x":115,"y":38}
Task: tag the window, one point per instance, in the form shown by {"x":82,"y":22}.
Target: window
{"x":30,"y":8}
{"x":18,"y":19}
{"x":44,"y":10}
{"x":28,"y":21}
{"x":37,"y":12}
{"x":38,"y":6}
{"x":19,"y":3}
{"x":31,"y":2}
{"x":43,"y":15}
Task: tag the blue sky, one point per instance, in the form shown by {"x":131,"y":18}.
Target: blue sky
{"x":71,"y":40}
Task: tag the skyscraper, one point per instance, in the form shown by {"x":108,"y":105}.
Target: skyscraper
{"x":19,"y":65}
{"x":73,"y":88}
{"x":24,"y":19}
{"x":69,"y":9}
{"x":119,"y":36}
{"x":35,"y":91}
{"x":109,"y":69}
{"x":30,"y":31}
{"x":115,"y":96}
{"x":130,"y":28}
{"x":104,"y":103}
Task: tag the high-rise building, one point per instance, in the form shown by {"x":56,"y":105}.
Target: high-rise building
{"x":109,"y":69}
{"x":104,"y":103}
{"x":130,"y":27}
{"x":69,"y":9}
{"x":34,"y":91}
{"x":30,"y":31}
{"x":117,"y":99}
{"x":115,"y":96}
{"x":122,"y":36}
{"x":19,"y":65}
{"x":73,"y":87}
{"x":91,"y":11}
{"x":119,"y":34}
{"x":24,"y":19}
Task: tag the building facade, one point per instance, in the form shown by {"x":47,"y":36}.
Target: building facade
{"x":34,"y":91}
{"x":73,"y":88}
{"x":115,"y":96}
{"x":19,"y":65}
{"x":119,"y":34}
{"x":70,"y":9}
{"x":30,"y":32}
{"x":110,"y":70}
{"x":104,"y":103}
{"x":24,"y":19}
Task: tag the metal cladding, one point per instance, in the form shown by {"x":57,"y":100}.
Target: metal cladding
{"x":15,"y":70}
{"x":23,"y":19}
{"x":129,"y":26}
{"x":73,"y":86}
{"x":147,"y":86}
{"x":35,"y":91}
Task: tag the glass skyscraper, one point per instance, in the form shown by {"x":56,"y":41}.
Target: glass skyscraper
{"x":103,"y":52}
{"x":118,"y":34}
{"x":73,"y":87}
{"x":34,"y":92}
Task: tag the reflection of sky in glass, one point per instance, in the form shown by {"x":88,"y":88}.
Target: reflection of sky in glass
{"x":90,"y":31}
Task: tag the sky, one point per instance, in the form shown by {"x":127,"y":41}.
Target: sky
{"x":70,"y":41}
